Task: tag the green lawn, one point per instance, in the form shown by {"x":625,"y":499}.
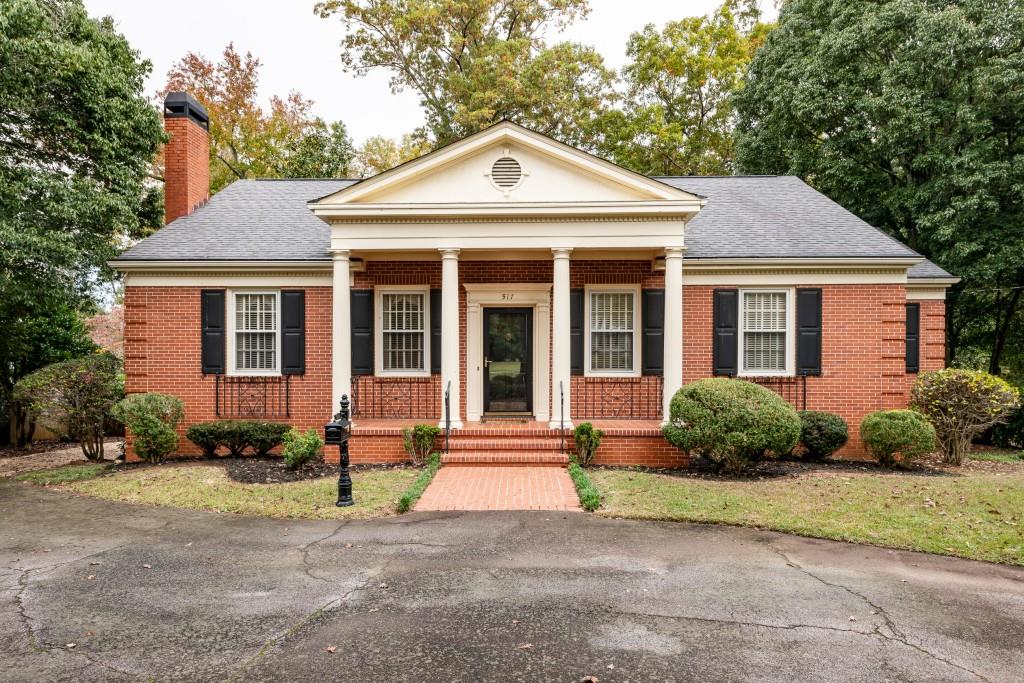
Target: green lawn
{"x":208,"y":487}
{"x":998,"y":455}
{"x":64,"y":475}
{"x":976,"y":515}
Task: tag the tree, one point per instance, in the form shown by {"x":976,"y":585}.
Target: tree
{"x":678,"y":117}
{"x":910,"y":113}
{"x":76,"y":140}
{"x":245,"y":140}
{"x":378,"y":153}
{"x":75,"y":397}
{"x":476,"y":62}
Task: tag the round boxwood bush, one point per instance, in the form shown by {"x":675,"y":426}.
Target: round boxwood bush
{"x":151,"y":418}
{"x":961,"y":404}
{"x":888,"y":433}
{"x":821,"y":433}
{"x":731,"y":422}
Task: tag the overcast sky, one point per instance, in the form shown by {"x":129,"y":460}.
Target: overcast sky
{"x":299,"y":51}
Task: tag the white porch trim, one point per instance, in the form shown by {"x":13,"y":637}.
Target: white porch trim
{"x":523,"y":295}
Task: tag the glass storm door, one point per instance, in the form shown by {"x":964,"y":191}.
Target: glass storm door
{"x":508,"y":360}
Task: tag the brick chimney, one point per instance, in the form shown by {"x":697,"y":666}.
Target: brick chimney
{"x":186,"y":156}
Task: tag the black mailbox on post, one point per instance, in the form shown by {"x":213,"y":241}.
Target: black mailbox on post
{"x":337,"y":432}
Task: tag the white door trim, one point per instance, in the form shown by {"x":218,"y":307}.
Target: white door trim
{"x":512,"y":295}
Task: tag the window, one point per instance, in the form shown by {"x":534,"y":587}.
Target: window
{"x":256,"y":321}
{"x":612,"y":332}
{"x":403,"y":332}
{"x":764,"y":320}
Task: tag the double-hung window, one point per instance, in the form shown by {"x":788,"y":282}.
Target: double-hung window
{"x":764,"y":330}
{"x":612,"y":331}
{"x":403,"y":325}
{"x":256,"y":333}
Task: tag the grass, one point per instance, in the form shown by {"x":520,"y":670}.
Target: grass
{"x":208,"y":487}
{"x":64,"y":475}
{"x":976,"y":516}
{"x":413,"y":493}
{"x":590,"y":498}
{"x":998,"y":455}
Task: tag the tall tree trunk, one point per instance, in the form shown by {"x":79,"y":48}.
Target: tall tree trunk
{"x":1003,"y":323}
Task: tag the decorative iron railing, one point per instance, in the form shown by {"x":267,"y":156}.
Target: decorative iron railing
{"x":617,"y":398}
{"x":252,"y":397}
{"x":404,"y":398}
{"x":793,"y":390}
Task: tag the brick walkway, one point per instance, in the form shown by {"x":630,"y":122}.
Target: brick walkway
{"x":500,"y":488}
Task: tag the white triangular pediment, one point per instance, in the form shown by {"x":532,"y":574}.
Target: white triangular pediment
{"x":533,"y":170}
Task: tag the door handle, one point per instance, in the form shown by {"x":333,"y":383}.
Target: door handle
{"x":487,"y":362}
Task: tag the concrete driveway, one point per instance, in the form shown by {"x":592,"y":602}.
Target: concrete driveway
{"x":95,"y":591}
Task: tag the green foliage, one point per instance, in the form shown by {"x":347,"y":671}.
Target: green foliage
{"x":678,"y":116}
{"x":888,"y":433}
{"x":209,"y":436}
{"x":961,"y":404}
{"x":152,"y":419}
{"x":821,"y":433}
{"x":590,"y":498}
{"x":413,"y":493}
{"x":587,"y":441}
{"x":300,"y":447}
{"x":909,"y":113}
{"x":1009,"y":434}
{"x":419,"y":441}
{"x":731,"y":422}
{"x":64,"y":475}
{"x":473,"y":63}
{"x":265,"y":436}
{"x":74,"y":397}
{"x":248,"y":141}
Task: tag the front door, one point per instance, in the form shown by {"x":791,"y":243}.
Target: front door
{"x":508,"y":360}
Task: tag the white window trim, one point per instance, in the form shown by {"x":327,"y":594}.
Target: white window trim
{"x":231,"y":315}
{"x":611,"y":289}
{"x":790,"y":352}
{"x":378,"y":330}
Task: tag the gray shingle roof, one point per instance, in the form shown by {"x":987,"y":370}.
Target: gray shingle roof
{"x":745,"y":216}
{"x":247,"y":220}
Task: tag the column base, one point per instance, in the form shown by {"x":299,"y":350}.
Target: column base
{"x":456,"y":424}
{"x":557,"y":424}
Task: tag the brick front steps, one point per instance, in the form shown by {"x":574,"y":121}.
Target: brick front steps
{"x":626,"y":442}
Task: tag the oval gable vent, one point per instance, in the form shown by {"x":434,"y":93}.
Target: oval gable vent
{"x":506,"y":173}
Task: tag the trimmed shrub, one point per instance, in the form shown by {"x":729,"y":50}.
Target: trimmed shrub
{"x":265,"y":436}
{"x":961,"y":404}
{"x":300,"y":448}
{"x":888,"y":433}
{"x":151,"y":419}
{"x":207,"y":435}
{"x":587,"y":441}
{"x":731,"y":422}
{"x":74,"y":397}
{"x":821,"y":433}
{"x":418,"y":441}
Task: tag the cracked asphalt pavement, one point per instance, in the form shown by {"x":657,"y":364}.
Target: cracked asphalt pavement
{"x":99,"y":591}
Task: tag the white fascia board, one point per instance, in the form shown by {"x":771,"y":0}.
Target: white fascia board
{"x":683,"y":208}
{"x":825,"y":262}
{"x":133,"y":265}
{"x":397,"y":246}
{"x":932,"y":281}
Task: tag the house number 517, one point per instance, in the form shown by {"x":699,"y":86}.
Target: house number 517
{"x":507,"y":296}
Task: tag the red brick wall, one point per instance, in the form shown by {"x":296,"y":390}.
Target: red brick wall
{"x":186,"y":167}
{"x":162,"y":354}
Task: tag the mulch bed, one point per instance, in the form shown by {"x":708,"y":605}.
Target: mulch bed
{"x":273,"y":471}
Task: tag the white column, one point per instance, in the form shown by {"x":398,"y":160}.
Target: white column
{"x":673,"y":356}
{"x":450,"y":334}
{"x":561,"y":361}
{"x":341,"y":330}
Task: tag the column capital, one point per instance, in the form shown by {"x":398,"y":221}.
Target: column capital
{"x":449,"y":253}
{"x":340,"y":254}
{"x":674,"y":252}
{"x":561,"y":252}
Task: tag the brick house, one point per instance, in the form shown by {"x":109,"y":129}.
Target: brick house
{"x":521,"y":283}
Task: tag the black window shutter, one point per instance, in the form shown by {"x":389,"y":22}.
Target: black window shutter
{"x":362,"y":331}
{"x":435,"y":331}
{"x":726,"y":330}
{"x":213,"y":311}
{"x":293,"y":332}
{"x":652,"y":348}
{"x":808,"y":331}
{"x":576,"y":331}
{"x":913,"y":337}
